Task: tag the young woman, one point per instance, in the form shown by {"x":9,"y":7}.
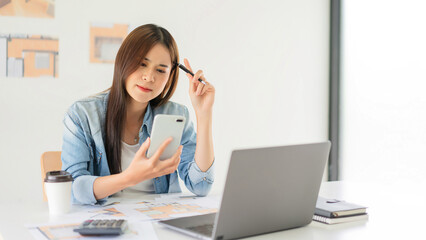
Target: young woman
{"x":106,"y":136}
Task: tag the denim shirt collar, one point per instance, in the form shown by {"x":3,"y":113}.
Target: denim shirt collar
{"x":147,"y":120}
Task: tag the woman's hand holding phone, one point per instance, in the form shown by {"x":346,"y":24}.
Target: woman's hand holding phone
{"x":144,"y":168}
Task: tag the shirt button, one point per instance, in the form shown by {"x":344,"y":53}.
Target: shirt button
{"x":204,"y":179}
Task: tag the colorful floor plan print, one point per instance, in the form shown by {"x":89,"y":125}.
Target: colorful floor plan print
{"x":66,"y":231}
{"x":112,"y":212}
{"x":26,"y":8}
{"x":28,"y":56}
{"x":170,"y":210}
{"x":60,"y":232}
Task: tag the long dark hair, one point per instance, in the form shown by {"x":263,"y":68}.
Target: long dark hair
{"x":133,"y":49}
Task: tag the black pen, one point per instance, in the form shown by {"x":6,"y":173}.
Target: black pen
{"x":186,"y":70}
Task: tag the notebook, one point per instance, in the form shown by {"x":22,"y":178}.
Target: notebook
{"x":340,"y":219}
{"x":333,"y":208}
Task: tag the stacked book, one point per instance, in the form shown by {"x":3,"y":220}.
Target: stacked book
{"x":332,"y":211}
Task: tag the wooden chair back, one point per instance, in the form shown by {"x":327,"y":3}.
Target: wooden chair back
{"x":50,"y":161}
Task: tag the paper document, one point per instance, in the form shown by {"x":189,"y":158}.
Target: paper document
{"x":139,"y":214}
{"x":136,"y":230}
{"x":158,"y":210}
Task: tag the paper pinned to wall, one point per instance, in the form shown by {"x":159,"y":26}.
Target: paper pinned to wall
{"x":35,"y":9}
{"x":32,"y":56}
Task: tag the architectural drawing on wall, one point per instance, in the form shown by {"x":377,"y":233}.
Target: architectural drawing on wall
{"x":26,"y":8}
{"x":28,"y":56}
{"x":105,"y":40}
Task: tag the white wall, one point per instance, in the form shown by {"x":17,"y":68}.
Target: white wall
{"x":383,"y":91}
{"x":267,"y":59}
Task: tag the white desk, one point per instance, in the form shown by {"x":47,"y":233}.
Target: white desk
{"x":397,"y":211}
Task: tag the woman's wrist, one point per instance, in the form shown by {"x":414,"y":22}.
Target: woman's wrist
{"x":108,"y":185}
{"x":127,"y":179}
{"x":204,"y":117}
{"x":204,"y":151}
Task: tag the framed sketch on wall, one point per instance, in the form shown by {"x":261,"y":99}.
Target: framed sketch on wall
{"x":34,"y":8}
{"x":28,"y":56}
{"x":105,"y":40}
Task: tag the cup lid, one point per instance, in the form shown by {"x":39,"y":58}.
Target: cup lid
{"x":58,"y":176}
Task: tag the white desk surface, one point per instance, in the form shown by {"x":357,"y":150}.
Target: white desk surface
{"x":396,"y":211}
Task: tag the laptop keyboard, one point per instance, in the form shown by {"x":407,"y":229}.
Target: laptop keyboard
{"x":203,"y":229}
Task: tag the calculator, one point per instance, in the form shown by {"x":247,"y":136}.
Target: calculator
{"x":102,"y":227}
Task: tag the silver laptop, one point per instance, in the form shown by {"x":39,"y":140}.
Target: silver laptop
{"x":266,"y":190}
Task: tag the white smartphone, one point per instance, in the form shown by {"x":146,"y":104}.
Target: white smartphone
{"x":166,"y":126}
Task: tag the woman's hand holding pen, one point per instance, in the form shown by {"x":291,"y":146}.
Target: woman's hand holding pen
{"x":202,"y":96}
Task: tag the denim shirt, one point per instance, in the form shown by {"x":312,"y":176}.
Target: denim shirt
{"x":84,"y":156}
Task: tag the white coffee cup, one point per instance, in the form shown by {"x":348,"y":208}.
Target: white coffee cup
{"x":58,"y":191}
